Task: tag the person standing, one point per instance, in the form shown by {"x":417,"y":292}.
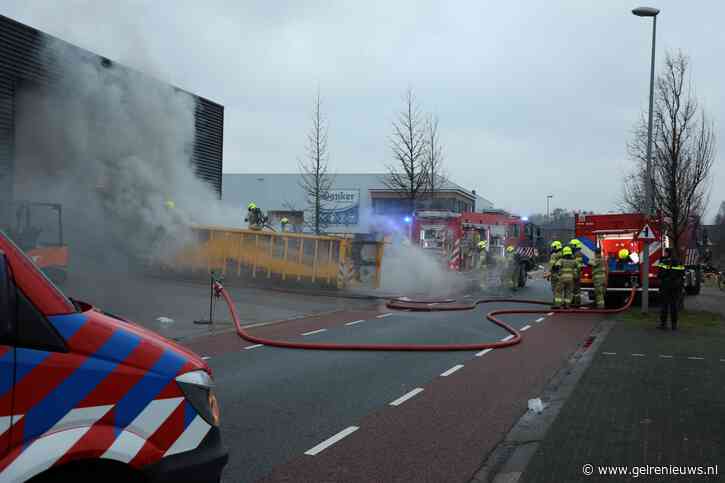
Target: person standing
{"x":554,"y":275}
{"x":568,"y":269}
{"x":599,"y":277}
{"x":670,"y":275}
{"x":508,"y":269}
{"x":283,"y":223}
{"x":576,"y":247}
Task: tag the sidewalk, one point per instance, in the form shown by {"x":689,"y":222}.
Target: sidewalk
{"x":649,"y":398}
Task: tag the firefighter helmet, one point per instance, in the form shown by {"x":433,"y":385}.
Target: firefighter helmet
{"x":575,"y":243}
{"x":510,"y":249}
{"x":284,"y":220}
{"x":556,"y":245}
{"x":567,"y":251}
{"x":170,"y":204}
{"x":251,"y":206}
{"x":623,"y":254}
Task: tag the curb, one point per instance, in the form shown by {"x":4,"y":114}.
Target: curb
{"x":508,"y":461}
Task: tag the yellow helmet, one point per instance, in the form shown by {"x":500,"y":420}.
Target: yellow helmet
{"x":566,"y":251}
{"x":575,"y":243}
{"x":170,"y":204}
{"x":482,"y":244}
{"x":623,"y":254}
{"x":251,"y":206}
{"x":510,"y":248}
{"x":556,"y":245}
{"x":284,"y":220}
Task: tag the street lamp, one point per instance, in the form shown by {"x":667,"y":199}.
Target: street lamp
{"x":648,"y":12}
{"x":548,"y":197}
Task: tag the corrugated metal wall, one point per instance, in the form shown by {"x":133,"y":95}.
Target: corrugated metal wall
{"x":20,"y":60}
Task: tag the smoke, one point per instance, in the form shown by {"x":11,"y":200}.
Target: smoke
{"x":111,"y":146}
{"x":411,"y":270}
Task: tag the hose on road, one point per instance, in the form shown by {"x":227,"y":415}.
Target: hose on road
{"x":403,"y":303}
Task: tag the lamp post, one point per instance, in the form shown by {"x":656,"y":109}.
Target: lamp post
{"x":548,"y":197}
{"x":648,"y":12}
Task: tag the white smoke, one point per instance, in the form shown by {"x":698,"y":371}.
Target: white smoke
{"x":113,"y":147}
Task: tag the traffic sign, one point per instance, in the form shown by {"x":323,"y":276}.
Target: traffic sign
{"x":646,"y":233}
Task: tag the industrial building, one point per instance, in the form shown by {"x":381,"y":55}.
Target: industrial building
{"x":26,"y":64}
{"x":356,"y":203}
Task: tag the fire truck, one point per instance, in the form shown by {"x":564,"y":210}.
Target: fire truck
{"x":452,"y":237}
{"x":613,"y":232}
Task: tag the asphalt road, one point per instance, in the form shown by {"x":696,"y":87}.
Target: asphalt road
{"x":291,"y":415}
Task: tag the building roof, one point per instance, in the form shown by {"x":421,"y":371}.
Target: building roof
{"x":275,"y":190}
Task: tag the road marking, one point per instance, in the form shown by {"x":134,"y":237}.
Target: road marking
{"x":609,"y":353}
{"x":550,"y":314}
{"x":693,"y":358}
{"x":355,"y":322}
{"x":253,"y":346}
{"x":722,"y":360}
{"x":382,"y":316}
{"x":332,"y":440}
{"x":637,"y":355}
{"x":540,"y":319}
{"x":407,"y":396}
{"x":313,"y":332}
{"x":663,"y":356}
{"x":525,"y":327}
{"x":467,"y":296}
{"x":508,"y":337}
{"x":452,"y":370}
{"x":205,"y":358}
{"x":483,"y":352}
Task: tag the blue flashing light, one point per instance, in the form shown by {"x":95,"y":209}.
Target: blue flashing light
{"x":407,"y":219}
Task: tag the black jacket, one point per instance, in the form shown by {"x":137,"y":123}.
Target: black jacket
{"x":671,"y":273}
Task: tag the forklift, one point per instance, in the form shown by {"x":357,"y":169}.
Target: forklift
{"x":37,"y":228}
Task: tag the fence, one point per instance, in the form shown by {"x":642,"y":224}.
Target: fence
{"x":272,"y":255}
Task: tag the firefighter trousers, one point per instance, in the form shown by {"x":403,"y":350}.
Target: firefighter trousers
{"x":566,"y":291}
{"x":599,"y":291}
{"x":576,"y":295}
{"x":555,"y":290}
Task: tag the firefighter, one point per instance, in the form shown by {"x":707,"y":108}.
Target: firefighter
{"x":283,"y":222}
{"x":670,"y":274}
{"x":255,"y":217}
{"x":509,"y":269}
{"x":623,"y":258}
{"x":554,"y":276}
{"x":599,"y":277}
{"x":568,"y":269}
{"x":576,"y":247}
{"x":482,"y":247}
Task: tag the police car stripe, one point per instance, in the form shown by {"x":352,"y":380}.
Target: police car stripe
{"x":7,"y":421}
{"x":125,"y":447}
{"x":190,"y":438}
{"x":26,"y":361}
{"x":69,"y":324}
{"x":80,"y":417}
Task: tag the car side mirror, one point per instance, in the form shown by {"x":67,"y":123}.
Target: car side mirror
{"x":8,"y":299}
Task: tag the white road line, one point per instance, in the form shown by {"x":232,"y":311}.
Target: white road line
{"x":313,"y":332}
{"x":508,"y":337}
{"x":253,"y":346}
{"x":330,"y":441}
{"x":452,"y":370}
{"x":540,"y":319}
{"x":693,"y":358}
{"x":664,"y":356}
{"x":637,"y":355}
{"x":609,"y":353}
{"x":550,"y":314}
{"x":483,"y":352}
{"x":722,"y":360}
{"x":355,"y":322}
{"x":525,"y":327}
{"x":382,"y":316}
{"x":467,"y":296}
{"x":407,"y":396}
{"x":205,"y":358}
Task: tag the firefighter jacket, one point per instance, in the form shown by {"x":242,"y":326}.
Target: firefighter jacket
{"x":599,"y":273}
{"x":568,"y":269}
{"x":670,"y":273}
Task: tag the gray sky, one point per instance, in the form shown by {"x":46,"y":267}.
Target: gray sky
{"x":534,"y":97}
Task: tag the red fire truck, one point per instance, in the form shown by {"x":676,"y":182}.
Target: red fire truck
{"x":613,"y":232}
{"x":453,"y":236}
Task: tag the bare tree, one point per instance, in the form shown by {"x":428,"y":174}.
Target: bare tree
{"x":315,"y":178}
{"x":408,"y":175}
{"x":683,"y":151}
{"x":433,"y":158}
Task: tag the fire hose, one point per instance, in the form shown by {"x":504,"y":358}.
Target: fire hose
{"x":403,"y":303}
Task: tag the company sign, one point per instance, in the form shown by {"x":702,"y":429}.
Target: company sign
{"x":340,"y":207}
